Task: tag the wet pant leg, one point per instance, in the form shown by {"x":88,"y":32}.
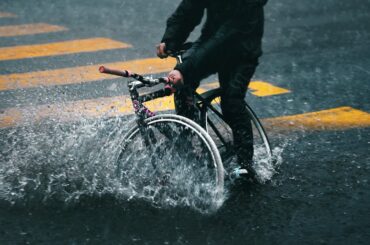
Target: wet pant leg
{"x":234,"y":81}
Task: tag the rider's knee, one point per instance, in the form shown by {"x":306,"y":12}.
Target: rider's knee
{"x":232,"y":108}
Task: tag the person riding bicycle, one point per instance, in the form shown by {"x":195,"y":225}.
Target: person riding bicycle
{"x":230,"y":45}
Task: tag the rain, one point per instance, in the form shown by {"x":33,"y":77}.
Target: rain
{"x":62,"y":125}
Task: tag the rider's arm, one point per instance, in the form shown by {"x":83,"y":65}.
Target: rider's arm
{"x":186,"y":17}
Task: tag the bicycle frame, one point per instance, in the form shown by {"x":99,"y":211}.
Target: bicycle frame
{"x":141,"y":111}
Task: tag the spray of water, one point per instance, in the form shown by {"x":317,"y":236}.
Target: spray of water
{"x":64,"y":162}
{"x":265,"y":167}
{"x":58,"y":162}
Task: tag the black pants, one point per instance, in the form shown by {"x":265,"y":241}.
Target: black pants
{"x":234,"y":77}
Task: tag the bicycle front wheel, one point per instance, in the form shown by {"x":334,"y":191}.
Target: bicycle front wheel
{"x":171,"y":160}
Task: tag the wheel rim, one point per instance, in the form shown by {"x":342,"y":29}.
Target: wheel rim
{"x":190,"y":174}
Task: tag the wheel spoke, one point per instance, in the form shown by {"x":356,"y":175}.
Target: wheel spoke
{"x":175,"y":159}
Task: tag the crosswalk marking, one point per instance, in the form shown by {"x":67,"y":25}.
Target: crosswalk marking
{"x":60,"y":48}
{"x":7,"y":15}
{"x":258,"y":88}
{"x":262,"y":89}
{"x":29,"y":29}
{"x":331,"y":119}
{"x":74,"y":110}
{"x":81,"y":74}
{"x":94,"y":108}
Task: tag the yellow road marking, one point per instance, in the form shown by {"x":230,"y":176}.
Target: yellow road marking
{"x":81,"y":74}
{"x":162,"y":104}
{"x":7,"y":15}
{"x":331,"y":119}
{"x":60,"y":48}
{"x":262,"y":89}
{"x":259,"y":88}
{"x":93,"y":108}
{"x":29,"y":29}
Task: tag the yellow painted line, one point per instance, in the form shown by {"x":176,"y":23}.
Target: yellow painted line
{"x":162,"y":104}
{"x":262,"y":89}
{"x":66,"y":112}
{"x":29,"y":29}
{"x":259,"y":88}
{"x":96,"y":108}
{"x":60,"y":48}
{"x":93,"y":108}
{"x":81,"y":74}
{"x":7,"y":15}
{"x":331,"y":119}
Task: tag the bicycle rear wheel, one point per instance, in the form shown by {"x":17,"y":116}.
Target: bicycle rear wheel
{"x":171,"y":160}
{"x":221,"y":133}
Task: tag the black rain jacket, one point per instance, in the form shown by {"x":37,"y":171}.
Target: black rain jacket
{"x":234,"y":26}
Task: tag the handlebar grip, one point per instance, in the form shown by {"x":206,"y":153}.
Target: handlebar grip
{"x":106,"y":70}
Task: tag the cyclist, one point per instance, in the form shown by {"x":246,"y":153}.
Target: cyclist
{"x":229,"y":44}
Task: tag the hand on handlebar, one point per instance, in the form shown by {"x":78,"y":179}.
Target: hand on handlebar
{"x":176,"y":78}
{"x":163,"y":51}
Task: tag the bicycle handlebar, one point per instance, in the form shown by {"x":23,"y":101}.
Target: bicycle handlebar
{"x":106,"y":70}
{"x":126,"y":73}
{"x":123,"y":73}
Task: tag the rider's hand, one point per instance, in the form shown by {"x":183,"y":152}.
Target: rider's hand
{"x":161,"y":51}
{"x":176,"y":78}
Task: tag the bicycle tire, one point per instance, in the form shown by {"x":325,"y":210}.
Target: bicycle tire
{"x":224,"y":140}
{"x":167,"y":130}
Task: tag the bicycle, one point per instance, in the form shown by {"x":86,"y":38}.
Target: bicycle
{"x":194,"y":170}
{"x":164,"y":136}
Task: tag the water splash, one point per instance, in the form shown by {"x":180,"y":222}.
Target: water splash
{"x":59,"y":162}
{"x":54,"y":162}
{"x":265,"y":167}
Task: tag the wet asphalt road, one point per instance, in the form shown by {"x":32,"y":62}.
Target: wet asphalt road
{"x":320,"y":195}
